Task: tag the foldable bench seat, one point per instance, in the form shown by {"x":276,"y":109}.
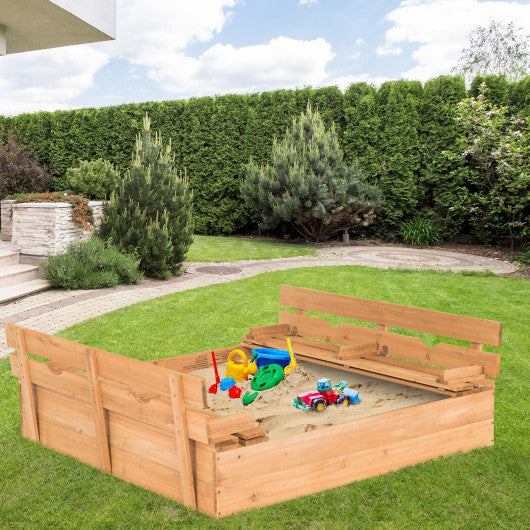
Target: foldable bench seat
{"x":444,"y":368}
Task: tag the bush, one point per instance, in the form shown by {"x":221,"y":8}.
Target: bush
{"x":420,"y":232}
{"x":94,"y":179}
{"x":308,"y":185}
{"x":149,"y":212}
{"x":91,"y":265}
{"x":20,"y":171}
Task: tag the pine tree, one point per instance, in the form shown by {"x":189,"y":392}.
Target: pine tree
{"x":308,"y":185}
{"x":149,"y":212}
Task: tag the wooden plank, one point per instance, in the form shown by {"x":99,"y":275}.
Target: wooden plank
{"x":69,"y":442}
{"x":143,"y":440}
{"x":464,"y":372}
{"x":329,"y":472}
{"x":73,"y":385}
{"x":358,"y":350}
{"x":147,"y":474}
{"x":50,"y":347}
{"x":256,"y":432}
{"x":28,"y":411}
{"x":182,"y":440}
{"x":97,"y":411}
{"x":203,"y":457}
{"x":138,"y":374}
{"x":295,"y":451}
{"x":424,"y":368}
{"x":387,"y":314}
{"x":320,"y":329}
{"x":443,"y":355}
{"x":276,"y":329}
{"x":66,"y":412}
{"x":195,"y":361}
{"x":347,"y":368}
{"x":222,"y":426}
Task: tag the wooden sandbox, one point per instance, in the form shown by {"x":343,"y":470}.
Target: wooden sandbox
{"x":148,"y":423}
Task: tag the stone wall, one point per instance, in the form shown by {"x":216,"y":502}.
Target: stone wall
{"x":42,"y":229}
{"x":7,"y":221}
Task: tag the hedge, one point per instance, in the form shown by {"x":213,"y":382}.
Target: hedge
{"x":396,"y":133}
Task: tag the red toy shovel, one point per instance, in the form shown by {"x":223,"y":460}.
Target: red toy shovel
{"x":213,"y":388}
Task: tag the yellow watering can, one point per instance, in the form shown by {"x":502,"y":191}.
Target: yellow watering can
{"x":236,"y":369}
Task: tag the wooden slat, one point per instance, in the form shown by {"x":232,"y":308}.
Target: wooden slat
{"x":387,"y":314}
{"x":324,"y":473}
{"x":276,"y":329}
{"x":69,"y":442}
{"x":65,"y":412}
{"x":28,"y":412}
{"x":256,"y":432}
{"x":147,"y":474}
{"x":365,"y":433}
{"x":203,"y":457}
{"x":138,"y":374}
{"x":143,"y":440}
{"x":413,"y":348}
{"x":464,"y":372}
{"x":181,"y":436}
{"x":347,"y":368}
{"x":357,"y":350}
{"x":97,"y":411}
{"x":254,"y":441}
{"x":222,"y":426}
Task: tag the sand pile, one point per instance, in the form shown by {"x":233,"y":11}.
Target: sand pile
{"x":275,"y":413}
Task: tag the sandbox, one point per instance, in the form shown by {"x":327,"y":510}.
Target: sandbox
{"x":150,"y":423}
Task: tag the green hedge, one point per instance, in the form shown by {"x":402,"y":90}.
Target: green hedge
{"x":396,"y":133}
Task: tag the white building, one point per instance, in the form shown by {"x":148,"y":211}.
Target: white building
{"x":27,"y":25}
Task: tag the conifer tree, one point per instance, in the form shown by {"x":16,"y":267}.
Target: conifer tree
{"x":308,"y":185}
{"x":149,"y":212}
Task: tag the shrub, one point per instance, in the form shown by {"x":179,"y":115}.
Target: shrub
{"x":493,"y":153}
{"x":149,"y":212}
{"x":94,"y":179}
{"x":420,"y":232}
{"x":308,"y":185}
{"x":82,"y":213}
{"x":20,"y":171}
{"x":91,"y":265}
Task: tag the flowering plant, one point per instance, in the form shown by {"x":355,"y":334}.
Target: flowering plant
{"x":494,"y":149}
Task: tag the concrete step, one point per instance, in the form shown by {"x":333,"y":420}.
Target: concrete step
{"x":15,"y":274}
{"x":8,"y":257}
{"x":22,"y":289}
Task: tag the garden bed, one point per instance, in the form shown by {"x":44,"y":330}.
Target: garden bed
{"x":150,"y":424}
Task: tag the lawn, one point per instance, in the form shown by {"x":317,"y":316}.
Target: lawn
{"x":218,"y":248}
{"x":485,"y":488}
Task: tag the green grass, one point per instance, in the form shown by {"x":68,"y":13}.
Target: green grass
{"x":216,"y":248}
{"x":485,"y":488}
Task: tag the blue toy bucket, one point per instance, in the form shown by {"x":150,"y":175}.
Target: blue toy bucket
{"x":267,"y":356}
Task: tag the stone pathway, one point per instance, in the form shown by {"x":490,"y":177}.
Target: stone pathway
{"x":54,"y":310}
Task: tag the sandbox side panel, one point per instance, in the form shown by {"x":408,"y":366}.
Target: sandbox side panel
{"x":286,"y":468}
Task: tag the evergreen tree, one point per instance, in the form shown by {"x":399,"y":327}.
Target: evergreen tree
{"x":308,"y":185}
{"x":149,"y":212}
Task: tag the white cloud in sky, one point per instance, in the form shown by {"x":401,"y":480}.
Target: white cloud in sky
{"x":359,"y":41}
{"x":343,"y":82}
{"x":281,"y":63}
{"x":47,"y":79}
{"x":441,"y":28}
{"x":308,"y":2}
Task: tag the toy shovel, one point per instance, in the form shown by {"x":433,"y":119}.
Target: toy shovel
{"x":213,"y":388}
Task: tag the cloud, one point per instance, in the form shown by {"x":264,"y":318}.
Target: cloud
{"x":345,"y":81}
{"x":308,"y":2}
{"x":281,"y":63}
{"x":440,"y":29}
{"x":359,"y":41}
{"x":47,"y":79}
{"x":155,"y":37}
{"x":387,"y":50}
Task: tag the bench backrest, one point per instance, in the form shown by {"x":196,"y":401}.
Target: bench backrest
{"x":475,"y":330}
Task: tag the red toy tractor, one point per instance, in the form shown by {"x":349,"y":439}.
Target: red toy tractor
{"x":323,"y":396}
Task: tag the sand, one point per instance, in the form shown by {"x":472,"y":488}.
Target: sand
{"x":274,"y":411}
